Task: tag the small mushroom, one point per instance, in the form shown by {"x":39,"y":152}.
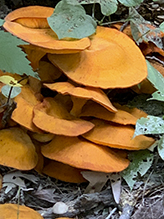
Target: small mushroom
{"x":112,"y":61}
{"x":10,"y":211}
{"x":82,"y":154}
{"x":51,"y":116}
{"x":117,"y":136}
{"x":17,"y":149}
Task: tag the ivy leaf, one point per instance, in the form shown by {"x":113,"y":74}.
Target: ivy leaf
{"x":140,"y":163}
{"x":70,"y":20}
{"x":12,"y":58}
{"x":155,"y":77}
{"x":6,"y":91}
{"x":160,"y":147}
{"x":131,"y":3}
{"x":149,"y":125}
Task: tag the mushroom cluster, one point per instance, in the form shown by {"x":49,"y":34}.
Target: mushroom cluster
{"x":77,"y":126}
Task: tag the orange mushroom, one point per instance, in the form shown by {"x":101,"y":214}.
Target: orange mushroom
{"x":48,"y":72}
{"x":132,"y":110}
{"x":63,"y":172}
{"x":23,"y":114}
{"x":112,"y":61}
{"x":44,"y":137}
{"x":91,"y":109}
{"x":30,"y":12}
{"x":17,"y":149}
{"x":85,"y":93}
{"x":34,"y":54}
{"x":10,"y":211}
{"x":84,"y":155}
{"x":30,"y":24}
{"x":51,"y":116}
{"x":117,"y":136}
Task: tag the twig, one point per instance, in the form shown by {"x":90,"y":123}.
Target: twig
{"x":112,"y":212}
{"x":18,"y":202}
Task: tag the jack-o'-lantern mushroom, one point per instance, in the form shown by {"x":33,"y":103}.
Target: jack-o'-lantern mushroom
{"x":10,"y":211}
{"x":117,"y":136}
{"x":63,"y":172}
{"x":30,"y":24}
{"x":82,"y":154}
{"x":23,"y":114}
{"x":112,"y":61}
{"x":91,"y":109}
{"x":51,"y":116}
{"x":17,"y":149}
{"x":81,"y":94}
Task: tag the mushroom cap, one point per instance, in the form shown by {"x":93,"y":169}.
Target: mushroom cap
{"x":44,"y":137}
{"x":30,"y":12}
{"x":112,"y":61}
{"x":84,"y":155}
{"x":48,"y":72}
{"x":51,"y":116}
{"x":94,"y":94}
{"x":97,"y":111}
{"x":63,"y":172}
{"x":10,"y":211}
{"x":30,"y":24}
{"x":23,"y":114}
{"x":133,"y":111}
{"x":17,"y":149}
{"x":117,"y":136}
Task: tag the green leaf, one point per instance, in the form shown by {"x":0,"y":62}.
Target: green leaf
{"x":149,"y":125}
{"x":161,"y":26}
{"x":6,"y":90}
{"x":160,"y":147}
{"x":141,"y":29}
{"x":1,"y":22}
{"x":6,"y":79}
{"x":70,"y":20}
{"x":108,"y":7}
{"x":157,"y":95}
{"x":130,"y":3}
{"x":140,"y":163}
{"x":155,"y":78}
{"x":12,"y":58}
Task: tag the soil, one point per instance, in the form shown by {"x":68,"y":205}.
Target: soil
{"x":145,"y":201}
